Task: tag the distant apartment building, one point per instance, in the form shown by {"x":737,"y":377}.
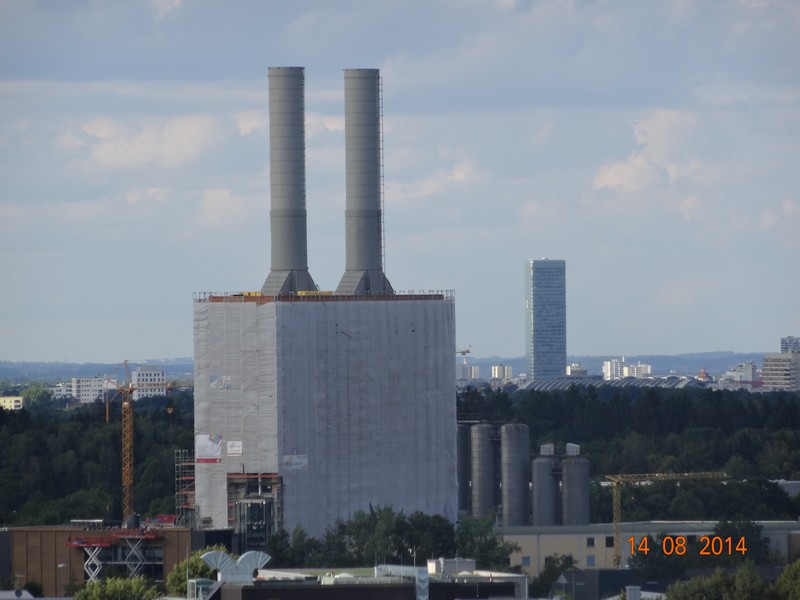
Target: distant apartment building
{"x":465,"y":370}
{"x":502,"y":372}
{"x":781,"y":371}
{"x":89,"y":389}
{"x":577,"y":370}
{"x":619,"y":369}
{"x":545,"y":319}
{"x":61,"y":391}
{"x":148,"y":381}
{"x":790,"y":344}
{"x":743,"y":373}
{"x":11,"y":402}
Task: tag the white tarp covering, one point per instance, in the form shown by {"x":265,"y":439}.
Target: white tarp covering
{"x":360,"y":394}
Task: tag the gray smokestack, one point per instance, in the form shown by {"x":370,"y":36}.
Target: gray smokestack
{"x":363,"y":220}
{"x":287,"y":168}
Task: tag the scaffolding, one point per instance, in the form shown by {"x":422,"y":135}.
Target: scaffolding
{"x":184,"y":488}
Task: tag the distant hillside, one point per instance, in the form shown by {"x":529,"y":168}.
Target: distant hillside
{"x":53,"y":372}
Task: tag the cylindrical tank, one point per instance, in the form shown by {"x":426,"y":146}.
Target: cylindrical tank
{"x":484,"y":476}
{"x":545,"y":490}
{"x":514,"y":473}
{"x":575,"y":491}
{"x":463,"y":468}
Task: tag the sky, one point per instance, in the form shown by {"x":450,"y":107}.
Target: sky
{"x":654,"y":146}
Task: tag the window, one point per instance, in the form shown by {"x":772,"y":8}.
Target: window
{"x":590,"y":560}
{"x":590,"y":542}
{"x":526,"y":561}
{"x":609,"y":541}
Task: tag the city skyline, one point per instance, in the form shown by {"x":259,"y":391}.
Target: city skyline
{"x":651,"y":146}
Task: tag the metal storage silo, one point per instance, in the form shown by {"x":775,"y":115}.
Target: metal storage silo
{"x":463,"y":468}
{"x":544,"y":474}
{"x":575,"y":492}
{"x":484,"y":475}
{"x":514,"y":474}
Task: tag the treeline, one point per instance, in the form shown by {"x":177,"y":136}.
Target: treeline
{"x":58,"y":465}
{"x":752,"y":437}
{"x":382,"y":535}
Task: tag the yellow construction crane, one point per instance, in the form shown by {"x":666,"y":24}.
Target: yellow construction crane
{"x":618,"y":480}
{"x":126,"y":391}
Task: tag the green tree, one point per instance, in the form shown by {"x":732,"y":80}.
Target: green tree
{"x":191,"y":567}
{"x":555,"y":565}
{"x":744,"y":584}
{"x":36,"y":397}
{"x":476,"y":538}
{"x":135,"y":588}
{"x":430,"y":536}
{"x":787,"y":586}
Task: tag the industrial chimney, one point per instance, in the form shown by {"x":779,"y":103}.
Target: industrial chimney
{"x":363,"y":218}
{"x":289,"y":257}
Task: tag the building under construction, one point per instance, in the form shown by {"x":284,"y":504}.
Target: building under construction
{"x":310,"y":405}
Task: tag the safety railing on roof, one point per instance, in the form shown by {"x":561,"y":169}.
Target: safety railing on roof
{"x":321,"y":296}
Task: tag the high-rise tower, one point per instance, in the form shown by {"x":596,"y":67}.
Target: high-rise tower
{"x":545,"y":318}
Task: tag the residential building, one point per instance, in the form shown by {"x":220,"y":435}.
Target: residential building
{"x":148,"y":381}
{"x":545,"y":318}
{"x":89,"y":389}
{"x":576,"y":370}
{"x":790,"y":344}
{"x":11,"y":402}
{"x":502,"y":372}
{"x":781,"y":371}
{"x":619,"y":369}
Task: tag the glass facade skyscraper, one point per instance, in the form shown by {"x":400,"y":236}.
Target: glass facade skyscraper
{"x":545,"y":318}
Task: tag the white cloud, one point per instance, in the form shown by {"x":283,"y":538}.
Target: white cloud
{"x":664,"y":135}
{"x":174,"y":143}
{"x":634,"y":174}
{"x":443,"y":181}
{"x":222,"y":208}
{"x":251,"y":121}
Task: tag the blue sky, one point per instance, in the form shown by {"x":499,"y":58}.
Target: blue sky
{"x":652,"y":145}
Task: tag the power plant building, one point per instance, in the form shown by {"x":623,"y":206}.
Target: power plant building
{"x":545,"y":319}
{"x":310,"y":405}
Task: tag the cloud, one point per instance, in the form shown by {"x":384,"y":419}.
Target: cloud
{"x":164,"y":7}
{"x":222,"y":208}
{"x":460,"y":174}
{"x":176,"y":142}
{"x":251,"y":121}
{"x":634,"y":174}
{"x":664,"y":135}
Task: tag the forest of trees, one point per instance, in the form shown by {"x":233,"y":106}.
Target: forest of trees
{"x":60,"y":464}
